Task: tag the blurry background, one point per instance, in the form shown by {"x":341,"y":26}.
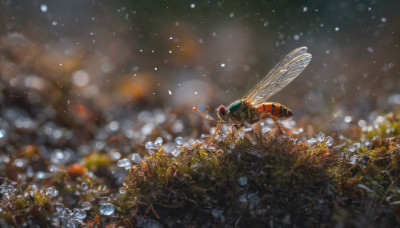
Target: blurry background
{"x":104,"y":59}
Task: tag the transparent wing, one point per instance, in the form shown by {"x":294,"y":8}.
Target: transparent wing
{"x":280,"y":76}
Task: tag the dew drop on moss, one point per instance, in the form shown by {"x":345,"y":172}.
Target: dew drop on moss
{"x":136,"y":158}
{"x":59,"y":207}
{"x":176,"y":151}
{"x":124,"y":163}
{"x":311,"y":141}
{"x":107,"y":209}
{"x":158,"y":142}
{"x":149,"y":145}
{"x":242,"y":181}
{"x":84,"y":186}
{"x":86,"y":206}
{"x":51,"y":192}
{"x":179,"y":140}
{"x":321,"y":137}
{"x":78,"y":213}
{"x":122,"y":190}
{"x":329,"y":141}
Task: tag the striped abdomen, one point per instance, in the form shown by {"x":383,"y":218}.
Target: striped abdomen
{"x":275,"y":109}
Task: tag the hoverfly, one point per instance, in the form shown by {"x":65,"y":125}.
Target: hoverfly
{"x":254,"y":107}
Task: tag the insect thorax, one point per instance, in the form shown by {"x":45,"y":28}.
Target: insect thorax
{"x":241,"y":112}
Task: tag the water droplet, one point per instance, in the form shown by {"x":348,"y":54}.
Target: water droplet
{"x":85,"y":186}
{"x":122,"y":190}
{"x":50,"y":192}
{"x":114,"y":125}
{"x":348,"y":119}
{"x":41,"y":175}
{"x":222,"y":65}
{"x":311,"y":141}
{"x":336,"y":29}
{"x":329,"y":141}
{"x":169,"y":92}
{"x":80,"y":78}
{"x":242,"y":181}
{"x":179,"y":140}
{"x":196,"y":93}
{"x":2,"y":133}
{"x":86,"y":206}
{"x":148,"y":223}
{"x":321,"y":137}
{"x":296,"y":37}
{"x":59,"y":207}
{"x":43,"y":8}
{"x":20,"y":162}
{"x":217,"y":212}
{"x":158,"y":142}
{"x":305,"y":9}
{"x":107,"y":209}
{"x":136,"y":158}
{"x":149,"y":145}
{"x":124,"y":163}
{"x":150,"y":152}
{"x":176,"y":151}
{"x":115,"y":155}
{"x":192,"y":5}
{"x":353,"y":159}
{"x":78,"y":213}
{"x":383,"y":20}
{"x":352,"y":149}
{"x":253,"y":198}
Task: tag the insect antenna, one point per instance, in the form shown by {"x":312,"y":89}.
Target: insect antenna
{"x":205,"y":116}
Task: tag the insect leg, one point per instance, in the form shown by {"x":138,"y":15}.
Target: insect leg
{"x":215,"y":134}
{"x":276,"y":123}
{"x":204,"y":115}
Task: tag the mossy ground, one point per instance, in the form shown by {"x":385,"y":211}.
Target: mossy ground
{"x":249,"y":179}
{"x":287,"y":183}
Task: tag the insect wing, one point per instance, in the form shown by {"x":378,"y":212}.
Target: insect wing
{"x":280,"y":76}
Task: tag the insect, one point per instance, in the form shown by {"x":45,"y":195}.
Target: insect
{"x":254,"y":107}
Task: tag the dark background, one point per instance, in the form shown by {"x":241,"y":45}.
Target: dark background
{"x":149,"y":54}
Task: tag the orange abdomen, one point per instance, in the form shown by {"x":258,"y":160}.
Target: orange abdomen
{"x":275,"y":109}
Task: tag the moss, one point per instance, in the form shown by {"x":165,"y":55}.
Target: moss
{"x":20,"y":203}
{"x":39,"y":198}
{"x":95,"y":161}
{"x":9,"y":218}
